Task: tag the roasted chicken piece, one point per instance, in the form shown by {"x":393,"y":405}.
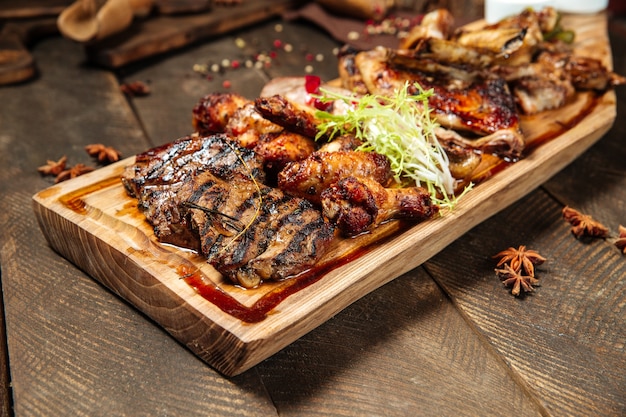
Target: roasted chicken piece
{"x":251,"y":130}
{"x":290,"y":115}
{"x":520,"y":35}
{"x":279,"y":149}
{"x":309,"y":177}
{"x":212,"y":112}
{"x":358,"y":204}
{"x":467,"y":101}
{"x":247,"y":125}
{"x":437,"y":24}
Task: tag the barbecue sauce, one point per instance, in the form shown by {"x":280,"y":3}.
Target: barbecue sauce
{"x":261,"y":308}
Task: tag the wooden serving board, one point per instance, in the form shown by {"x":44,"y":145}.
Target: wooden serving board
{"x":92,"y":222}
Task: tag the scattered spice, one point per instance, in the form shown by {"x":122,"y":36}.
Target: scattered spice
{"x":104,"y":154}
{"x":621,"y":240}
{"x":516,"y":279}
{"x":520,"y":259}
{"x":135,"y":89}
{"x":73,"y":172}
{"x":53,"y":167}
{"x":518,"y":262}
{"x":584,"y":225}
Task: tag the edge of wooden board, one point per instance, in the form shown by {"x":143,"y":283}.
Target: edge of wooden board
{"x":103,"y":242}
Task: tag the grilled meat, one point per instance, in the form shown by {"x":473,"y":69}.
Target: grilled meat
{"x":466,"y":101}
{"x":247,"y":125}
{"x":434,"y":25}
{"x":212,"y":112}
{"x":207,"y":194}
{"x":251,"y":233}
{"x":292,"y":116}
{"x":163,"y":177}
{"x":279,"y":149}
{"x":357,"y":204}
{"x":272,"y":142}
{"x":309,"y":177}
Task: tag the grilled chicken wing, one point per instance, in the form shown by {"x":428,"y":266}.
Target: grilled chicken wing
{"x":290,"y":115}
{"x":212,"y":112}
{"x":239,"y":118}
{"x":357,"y":204}
{"x":309,"y":177}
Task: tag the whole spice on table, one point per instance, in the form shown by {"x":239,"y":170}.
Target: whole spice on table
{"x":518,"y":262}
{"x":104,"y":154}
{"x":583,"y":224}
{"x":135,"y":89}
{"x":53,"y":167}
{"x":520,"y":258}
{"x":73,"y":172}
{"x":516,"y":279}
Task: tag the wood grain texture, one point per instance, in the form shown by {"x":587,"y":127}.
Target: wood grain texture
{"x":108,"y":238}
{"x":74,"y":347}
{"x":77,"y":349}
{"x":159,"y":34}
{"x":566,"y":340}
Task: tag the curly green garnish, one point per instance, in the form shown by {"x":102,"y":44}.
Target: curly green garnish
{"x":401,"y":128}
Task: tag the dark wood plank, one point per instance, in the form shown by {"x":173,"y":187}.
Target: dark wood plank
{"x":75,"y":348}
{"x":566,"y":341}
{"x":159,"y":34}
{"x":563,"y":342}
{"x":5,"y":380}
{"x":401,"y":350}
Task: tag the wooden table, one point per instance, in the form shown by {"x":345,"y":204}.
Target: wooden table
{"x":444,"y":339}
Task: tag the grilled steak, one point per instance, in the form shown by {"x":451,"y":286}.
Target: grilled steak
{"x":251,"y":233}
{"x":163,"y":177}
{"x":207,"y":194}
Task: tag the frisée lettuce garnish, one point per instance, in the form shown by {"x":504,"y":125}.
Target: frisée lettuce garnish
{"x":399,"y":127}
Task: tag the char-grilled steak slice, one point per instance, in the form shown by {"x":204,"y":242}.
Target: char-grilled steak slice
{"x":251,"y":233}
{"x":207,"y":194}
{"x":163,"y":177}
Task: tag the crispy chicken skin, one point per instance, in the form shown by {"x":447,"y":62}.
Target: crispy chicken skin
{"x":249,"y":129}
{"x":291,"y":115}
{"x":358,"y":204}
{"x":212,"y":112}
{"x":309,"y":177}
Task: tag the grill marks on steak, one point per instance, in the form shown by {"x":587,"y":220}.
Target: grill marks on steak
{"x":275,"y":235}
{"x":197,"y":192}
{"x":165,"y":176}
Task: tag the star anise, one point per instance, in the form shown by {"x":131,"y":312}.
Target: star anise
{"x":584,"y":225}
{"x":104,"y":154}
{"x":515,"y":279}
{"x":521,"y":258}
{"x":73,"y":172}
{"x":53,"y":167}
{"x":621,"y":240}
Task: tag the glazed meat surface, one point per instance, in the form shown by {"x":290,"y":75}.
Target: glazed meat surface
{"x":357,"y":205}
{"x":163,"y":177}
{"x":253,"y":233}
{"x":309,"y":177}
{"x":207,"y":194}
